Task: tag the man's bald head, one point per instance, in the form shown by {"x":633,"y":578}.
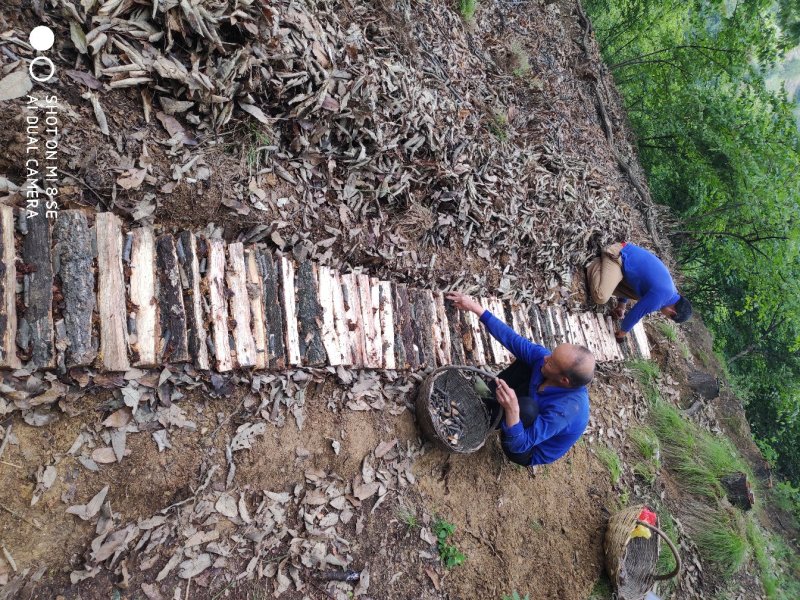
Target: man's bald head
{"x":576,"y":363}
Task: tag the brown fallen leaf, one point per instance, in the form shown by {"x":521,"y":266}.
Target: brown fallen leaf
{"x":87,"y":511}
{"x":131,"y":179}
{"x":118,"y":418}
{"x":106,"y":456}
{"x":434,"y":577}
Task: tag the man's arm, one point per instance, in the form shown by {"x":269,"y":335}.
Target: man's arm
{"x":648,"y":303}
{"x":521,"y":347}
{"x":519,"y":439}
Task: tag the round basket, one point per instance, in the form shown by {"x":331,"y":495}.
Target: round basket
{"x":631,"y":562}
{"x":446,"y":388}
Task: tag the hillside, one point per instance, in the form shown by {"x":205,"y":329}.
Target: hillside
{"x":396,"y":139}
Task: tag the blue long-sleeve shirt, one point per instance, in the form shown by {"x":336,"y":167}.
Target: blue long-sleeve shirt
{"x":650,"y":279}
{"x":563,"y":412}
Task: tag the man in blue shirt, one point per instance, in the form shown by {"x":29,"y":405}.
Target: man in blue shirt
{"x":630,"y":272}
{"x":543,"y":394}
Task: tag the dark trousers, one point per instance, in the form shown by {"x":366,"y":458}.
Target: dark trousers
{"x":518,"y":377}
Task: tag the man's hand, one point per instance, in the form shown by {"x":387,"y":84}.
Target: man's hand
{"x":507,"y":398}
{"x":620,"y":335}
{"x":464,"y":302}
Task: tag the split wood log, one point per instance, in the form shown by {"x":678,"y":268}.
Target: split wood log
{"x":475,"y":343}
{"x":309,"y":315}
{"x":215,"y":283}
{"x":547,"y":329}
{"x":386,"y":317}
{"x":8,"y":290}
{"x":456,"y":333}
{"x":599,"y":328}
{"x":255,"y":290}
{"x":739,"y":491}
{"x":286,"y":272}
{"x":591,"y":328}
{"x":536,"y":325}
{"x":273,"y":309}
{"x":406,"y":350}
{"x":642,"y":345}
{"x":330,"y":338}
{"x":369,"y":325}
{"x":590,"y":335}
{"x":352,"y":305}
{"x":621,"y":348}
{"x":444,"y":324}
{"x":423,"y":327}
{"x":196,"y":332}
{"x":143,"y":327}
{"x":577,"y":331}
{"x":239,"y":303}
{"x":340,"y":320}
{"x":505,"y":356}
{"x":111,"y":294}
{"x":438,"y":333}
{"x":608,"y":333}
{"x":173,"y":343}
{"x":74,"y":256}
{"x":493,"y":350}
{"x":558,"y":327}
{"x":36,"y":322}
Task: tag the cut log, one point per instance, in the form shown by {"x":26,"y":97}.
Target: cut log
{"x":8,"y":290}
{"x":547,"y":329}
{"x":340,"y":320}
{"x":738,"y":490}
{"x":456,"y":332}
{"x":173,"y":343}
{"x":642,"y":345}
{"x":438,"y":334}
{"x":557,"y":325}
{"x":330,"y":339}
{"x":423,"y":327}
{"x":215,"y":282}
{"x":273,"y":309}
{"x":73,"y":251}
{"x":239,"y":303}
{"x":477,"y":350}
{"x":536,"y":325}
{"x":503,"y":355}
{"x":608,"y":334}
{"x":444,"y":326}
{"x":309,"y":315}
{"x":622,"y":352}
{"x":286,"y":272}
{"x":599,"y":330}
{"x":492,"y":349}
{"x":577,"y":331}
{"x":386,"y":314}
{"x":352,"y":307}
{"x":37,"y":318}
{"x":196,"y":332}
{"x":369,"y":322}
{"x":144,"y":338}
{"x":111,"y":294}
{"x":406,"y":351}
{"x":255,"y":291}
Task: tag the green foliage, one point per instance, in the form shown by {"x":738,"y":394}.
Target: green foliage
{"x":721,"y":541}
{"x":449,"y":554}
{"x":666,"y":560}
{"x":499,"y":126}
{"x":787,"y":498}
{"x":602,"y":589}
{"x":523,"y":65}
{"x":467,"y":8}
{"x":721,"y":150}
{"x":648,"y":374}
{"x":612,"y":462}
{"x":667,"y":330}
{"x":515,"y":596}
{"x":408,"y":517}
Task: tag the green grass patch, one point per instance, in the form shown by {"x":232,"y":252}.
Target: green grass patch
{"x":408,"y":517}
{"x":522,"y":64}
{"x":612,"y":462}
{"x":515,"y":596}
{"x":721,"y":541}
{"x":667,"y":330}
{"x":666,"y":560}
{"x":467,"y":9}
{"x":758,"y":543}
{"x":449,"y":554}
{"x":647,"y":374}
{"x":499,"y":126}
{"x":602,"y":589}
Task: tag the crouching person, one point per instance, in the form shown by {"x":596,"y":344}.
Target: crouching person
{"x":543,"y":394}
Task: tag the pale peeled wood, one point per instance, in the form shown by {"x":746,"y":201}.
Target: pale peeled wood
{"x":521,"y":312}
{"x":239,"y":302}
{"x":590,"y":328}
{"x":608,"y":339}
{"x":577,"y":331}
{"x":492,"y":349}
{"x":598,"y":332}
{"x":620,"y":348}
{"x":8,"y":289}
{"x":143,"y":295}
{"x":340,"y":320}
{"x":478,"y":351}
{"x":193,"y":300}
{"x":111,"y":294}
{"x":330,"y":337}
{"x":290,"y":311}
{"x":444,"y":325}
{"x":536,"y":325}
{"x":641,"y":340}
{"x":505,"y":356}
{"x":255,"y":294}
{"x":215,"y":279}
{"x":558,"y":325}
{"x":372,"y":333}
{"x":353,"y":318}
{"x":569,"y":336}
{"x":386,"y":314}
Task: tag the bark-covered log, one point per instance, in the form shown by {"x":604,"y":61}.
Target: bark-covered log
{"x":386,"y":315}
{"x":352,"y":305}
{"x":73,"y":249}
{"x":196,"y":332}
{"x":173,"y":344}
{"x":239,"y":306}
{"x":456,"y":332}
{"x":423,"y":327}
{"x":144,"y":342}
{"x":289,"y":299}
{"x":739,"y":491}
{"x":8,"y":290}
{"x":111,"y":294}
{"x":309,"y":315}
{"x":37,"y":319}
{"x":255,"y":295}
{"x":405,"y":354}
{"x":215,"y":283}
{"x":273,"y":309}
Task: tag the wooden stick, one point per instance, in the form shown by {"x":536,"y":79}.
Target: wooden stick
{"x":111,"y":294}
{"x":255,"y":290}
{"x":478,"y":351}
{"x":173,"y":343}
{"x":456,"y":332}
{"x":8,"y":290}
{"x":38,"y":315}
{"x":193,"y":300}
{"x":438,"y":333}
{"x":142,"y":290}
{"x":215,"y":280}
{"x":423,"y":327}
{"x":286,"y":268}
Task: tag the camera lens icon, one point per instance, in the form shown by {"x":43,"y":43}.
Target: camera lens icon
{"x":42,"y":38}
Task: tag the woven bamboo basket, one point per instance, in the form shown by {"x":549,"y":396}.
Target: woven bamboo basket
{"x":631,"y":562}
{"x":452,"y":382}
